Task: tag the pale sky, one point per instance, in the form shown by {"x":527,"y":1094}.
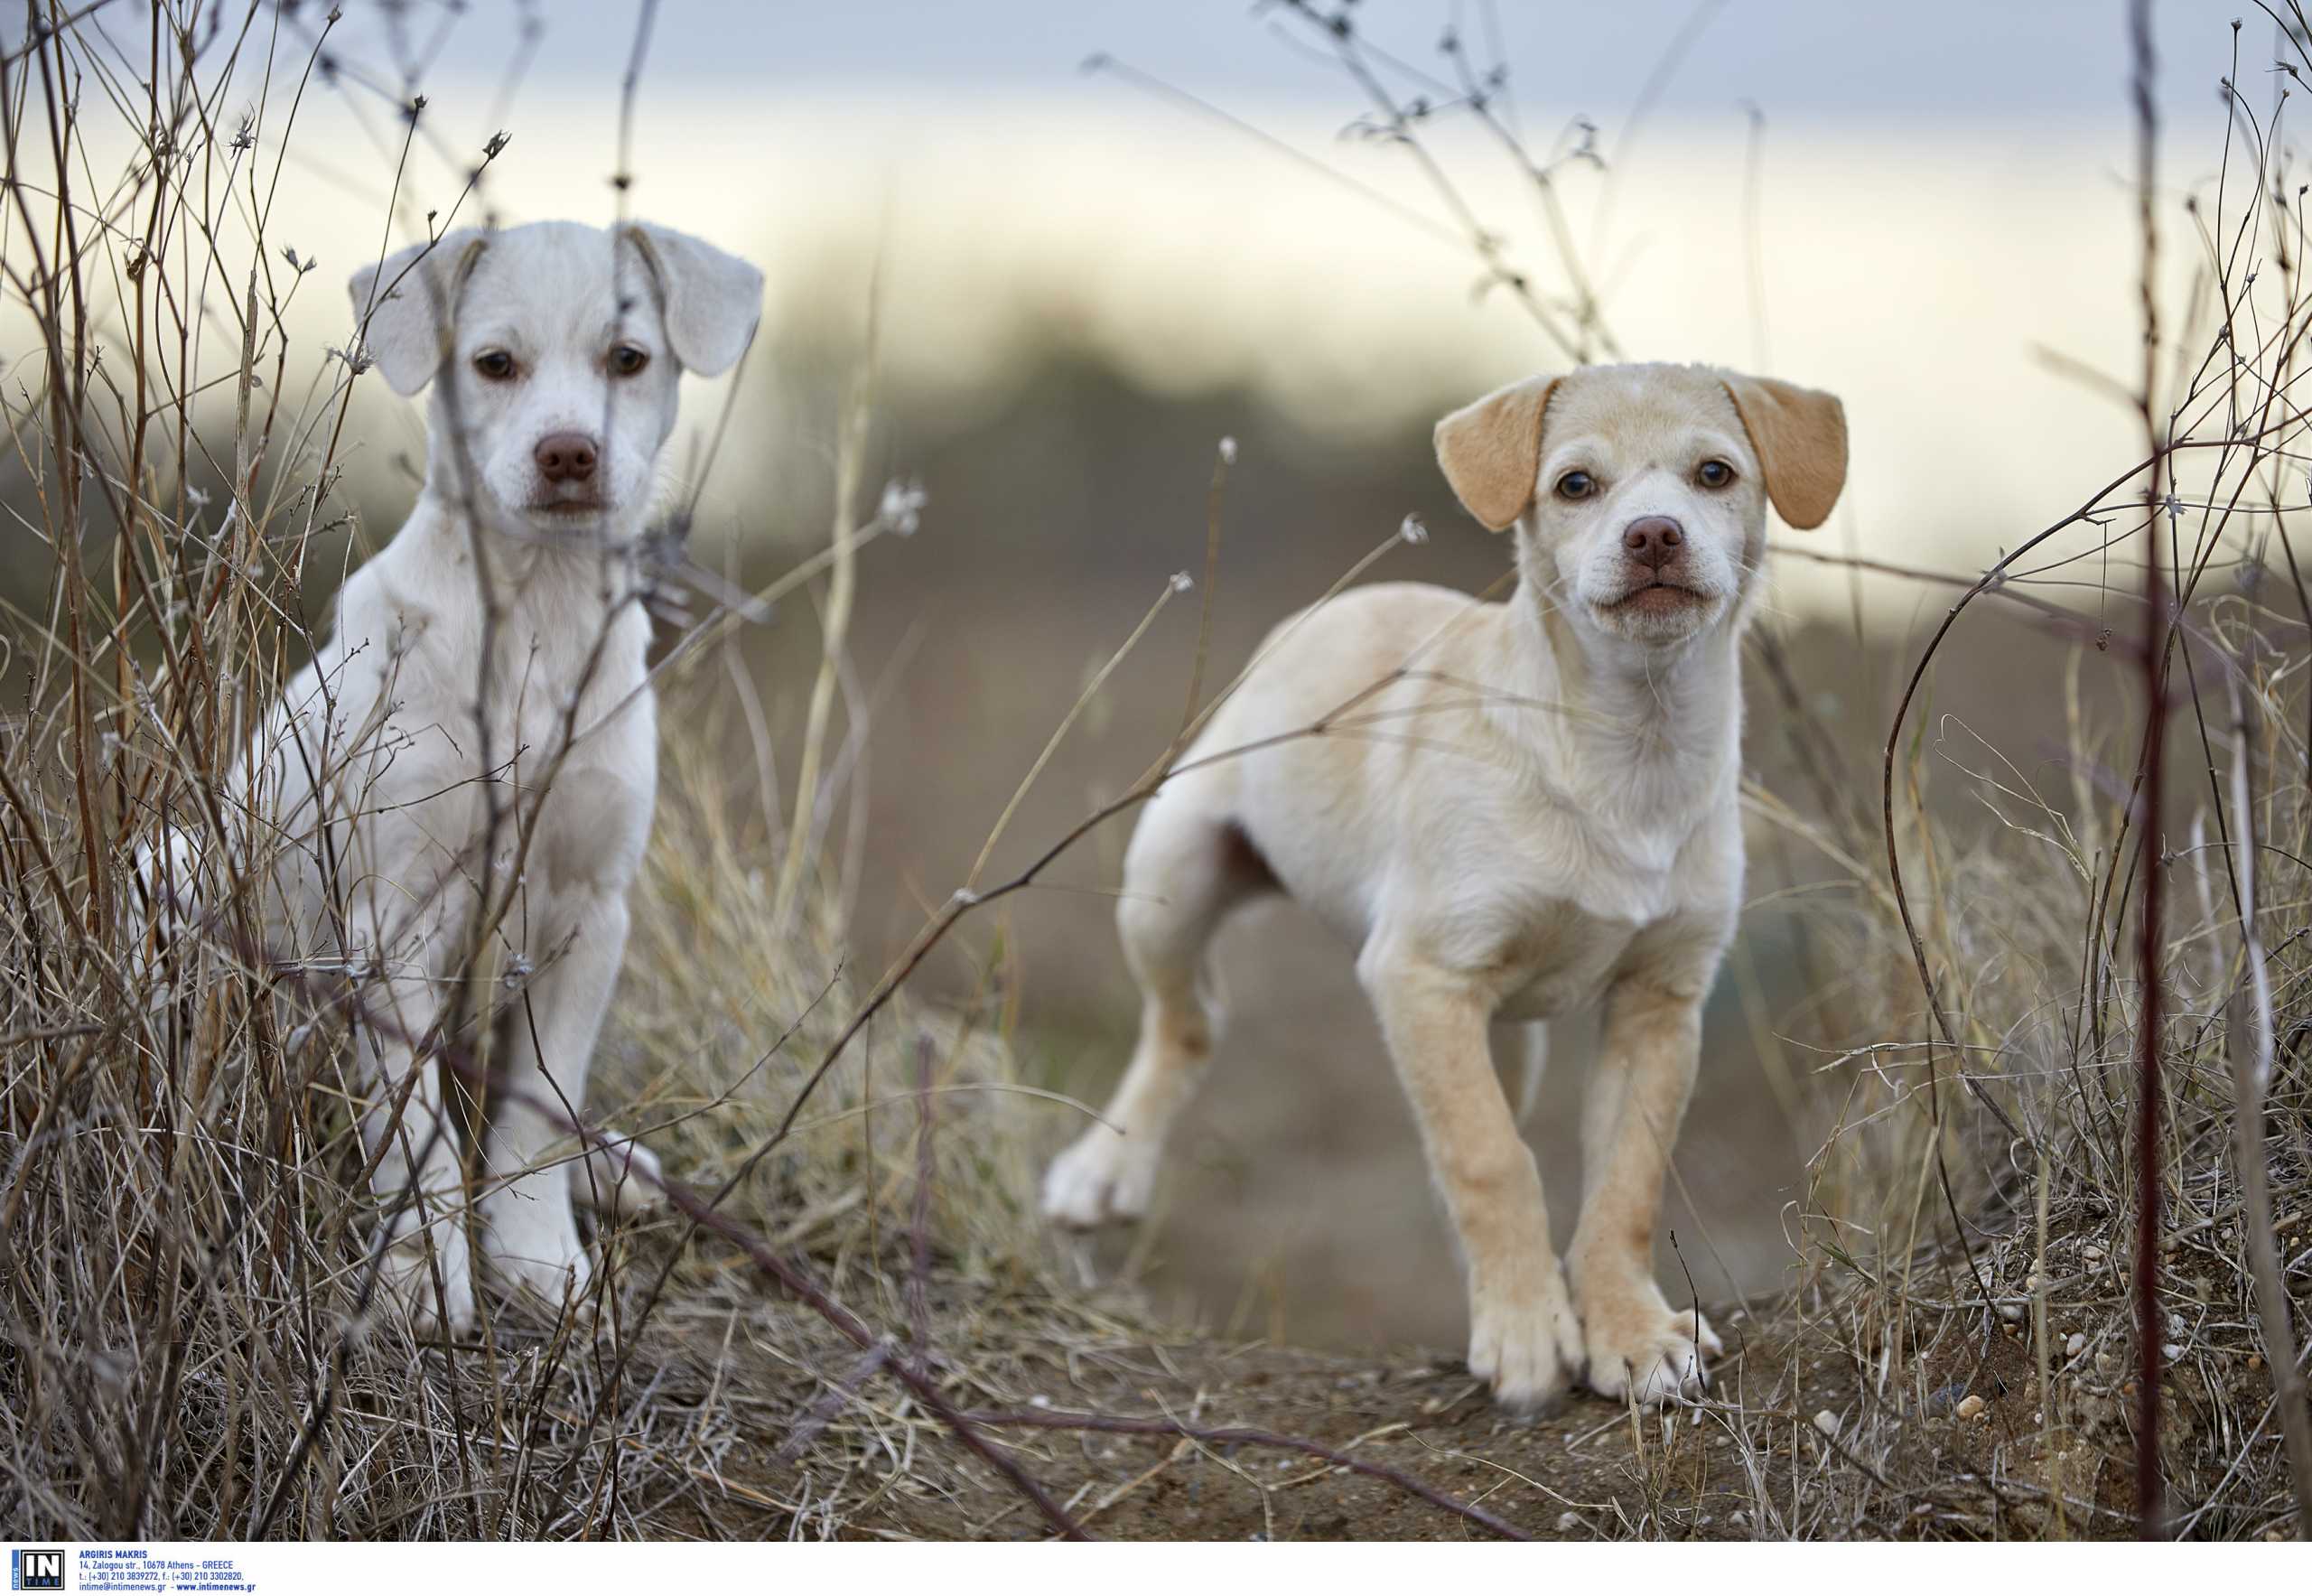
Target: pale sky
{"x":1945,"y":197}
{"x":1957,"y":61}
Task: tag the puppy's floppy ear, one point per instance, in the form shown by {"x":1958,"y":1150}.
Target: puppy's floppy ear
{"x":402,"y":305}
{"x":1800,"y":435}
{"x":712,"y":299}
{"x":1491,"y":451}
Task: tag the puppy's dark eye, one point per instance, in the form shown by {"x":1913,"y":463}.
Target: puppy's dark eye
{"x":626,"y":359}
{"x":1576,"y":485}
{"x":494,"y":365}
{"x":1715,"y":474}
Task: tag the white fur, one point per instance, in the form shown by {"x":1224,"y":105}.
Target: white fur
{"x":1536,"y":811}
{"x":366,"y":798}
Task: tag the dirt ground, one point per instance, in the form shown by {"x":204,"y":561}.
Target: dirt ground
{"x":1756,"y":1460}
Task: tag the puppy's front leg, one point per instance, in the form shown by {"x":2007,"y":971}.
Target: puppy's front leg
{"x":1522,"y":1335}
{"x":532,"y":1233}
{"x":1647,"y":1059}
{"x":416,"y":1173}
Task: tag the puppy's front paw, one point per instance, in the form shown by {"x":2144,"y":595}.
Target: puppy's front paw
{"x":618,"y":1181}
{"x":1641,"y":1349}
{"x":555,"y":1285}
{"x":1527,"y":1345}
{"x":1104,"y":1175}
{"x":542,"y":1259}
{"x":405,"y":1279}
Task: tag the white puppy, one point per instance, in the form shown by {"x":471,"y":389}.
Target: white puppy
{"x":474,"y":750}
{"x":1511,"y":810}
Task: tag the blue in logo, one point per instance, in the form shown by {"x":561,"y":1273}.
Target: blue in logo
{"x":36,"y":1569}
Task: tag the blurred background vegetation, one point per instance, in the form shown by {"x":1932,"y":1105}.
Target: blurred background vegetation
{"x":1081,"y":279}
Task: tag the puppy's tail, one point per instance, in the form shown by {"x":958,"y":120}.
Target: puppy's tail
{"x":1531,"y":1070}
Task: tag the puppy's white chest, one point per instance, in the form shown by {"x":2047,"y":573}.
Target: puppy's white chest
{"x":566,"y":737}
{"x":1561,"y":960}
{"x":1551,"y":935}
{"x":593,"y":826}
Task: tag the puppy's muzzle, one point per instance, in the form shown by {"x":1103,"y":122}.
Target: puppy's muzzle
{"x":1654,"y":541}
{"x":567,"y":457}
{"x":569,"y":482}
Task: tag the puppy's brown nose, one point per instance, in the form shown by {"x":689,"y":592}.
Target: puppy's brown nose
{"x":1653,"y":540}
{"x":566,"y":457}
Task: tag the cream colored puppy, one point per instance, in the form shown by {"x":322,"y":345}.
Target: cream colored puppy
{"x":1513,"y":810}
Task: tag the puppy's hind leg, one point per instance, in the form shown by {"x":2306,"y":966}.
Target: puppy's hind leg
{"x":1187,"y":867}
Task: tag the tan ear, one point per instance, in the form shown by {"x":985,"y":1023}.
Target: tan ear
{"x":1800,"y":435}
{"x":1491,"y":451}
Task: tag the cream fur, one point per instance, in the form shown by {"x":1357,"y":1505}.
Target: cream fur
{"x":1536,"y":812}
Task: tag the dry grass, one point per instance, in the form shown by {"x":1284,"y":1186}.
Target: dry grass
{"x":188,"y":1343}
{"x":193,"y":1343}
